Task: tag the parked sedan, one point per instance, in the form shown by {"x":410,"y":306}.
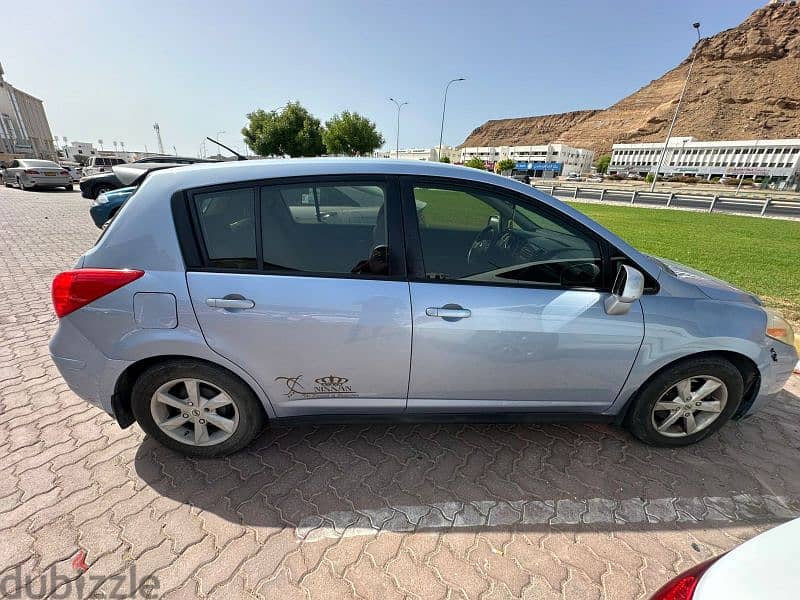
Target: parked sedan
{"x":107,"y":204}
{"x":763,"y":567}
{"x":226,"y":296}
{"x":28,"y":174}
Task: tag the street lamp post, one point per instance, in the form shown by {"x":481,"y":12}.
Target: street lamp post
{"x":677,"y":109}
{"x":444,"y":107}
{"x":397,"y":142}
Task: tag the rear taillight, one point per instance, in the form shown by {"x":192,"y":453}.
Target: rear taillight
{"x":64,"y":173}
{"x":684,"y":585}
{"x":75,"y":289}
{"x":31,"y":171}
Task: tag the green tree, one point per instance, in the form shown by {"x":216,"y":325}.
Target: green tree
{"x":475,"y":163}
{"x":351,"y":134}
{"x":649,"y":178}
{"x":445,"y":159}
{"x":602,"y":163}
{"x":504,"y":165}
{"x":291,"y":131}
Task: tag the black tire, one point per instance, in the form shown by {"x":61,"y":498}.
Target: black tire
{"x":251,"y":416}
{"x":69,"y":187}
{"x":640,"y":416}
{"x":100,"y":189}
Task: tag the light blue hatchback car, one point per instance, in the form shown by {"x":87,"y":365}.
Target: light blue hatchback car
{"x":224,"y":297}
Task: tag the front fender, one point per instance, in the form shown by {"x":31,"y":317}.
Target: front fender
{"x":677,"y":328}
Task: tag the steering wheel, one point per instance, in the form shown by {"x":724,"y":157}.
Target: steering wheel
{"x":482,"y":244}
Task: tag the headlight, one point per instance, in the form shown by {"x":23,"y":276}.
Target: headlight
{"x":779,"y":328}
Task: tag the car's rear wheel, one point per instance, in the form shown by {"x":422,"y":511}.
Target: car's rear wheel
{"x":69,"y":187}
{"x":196,"y":408}
{"x":686,"y":402}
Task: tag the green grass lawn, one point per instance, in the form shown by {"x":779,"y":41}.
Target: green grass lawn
{"x":759,"y":255}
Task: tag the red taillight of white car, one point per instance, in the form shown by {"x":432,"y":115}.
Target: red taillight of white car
{"x":684,"y":585}
{"x":77,"y":288}
{"x":31,"y":172}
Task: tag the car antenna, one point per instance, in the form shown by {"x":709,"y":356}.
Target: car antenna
{"x":231,"y":150}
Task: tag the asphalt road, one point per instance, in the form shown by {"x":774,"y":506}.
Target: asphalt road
{"x":740,"y":206}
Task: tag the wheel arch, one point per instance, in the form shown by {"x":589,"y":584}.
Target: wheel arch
{"x":745,"y":365}
{"x":121,"y":398}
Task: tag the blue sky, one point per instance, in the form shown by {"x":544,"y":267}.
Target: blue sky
{"x":110,"y":69}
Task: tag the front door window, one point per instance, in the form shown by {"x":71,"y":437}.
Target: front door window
{"x":475,"y":236}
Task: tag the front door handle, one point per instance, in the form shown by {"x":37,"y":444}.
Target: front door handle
{"x":448,"y":312}
{"x":230,"y":303}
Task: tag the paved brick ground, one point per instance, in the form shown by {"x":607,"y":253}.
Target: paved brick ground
{"x":553,"y":511}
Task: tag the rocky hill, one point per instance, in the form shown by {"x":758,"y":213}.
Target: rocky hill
{"x":744,"y":79}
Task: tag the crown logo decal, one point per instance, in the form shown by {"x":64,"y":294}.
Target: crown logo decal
{"x":331,"y":380}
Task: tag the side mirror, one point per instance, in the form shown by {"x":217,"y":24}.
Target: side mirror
{"x":628,"y":288}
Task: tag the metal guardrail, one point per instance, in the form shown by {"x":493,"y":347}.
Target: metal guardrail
{"x":716,"y":203}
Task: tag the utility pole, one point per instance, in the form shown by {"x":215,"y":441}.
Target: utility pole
{"x":158,"y":137}
{"x":677,"y":109}
{"x":444,"y":107}
{"x":399,"y":106}
{"x":98,"y":141}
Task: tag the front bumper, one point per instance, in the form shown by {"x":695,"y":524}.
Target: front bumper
{"x":775,"y":372}
{"x":87,"y":371}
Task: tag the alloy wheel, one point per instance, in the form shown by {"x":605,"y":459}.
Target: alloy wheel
{"x":689,"y":406}
{"x":194,"y":412}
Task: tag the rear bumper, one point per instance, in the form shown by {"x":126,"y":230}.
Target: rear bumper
{"x":774,"y":374}
{"x":44,"y":182}
{"x":87,"y":371}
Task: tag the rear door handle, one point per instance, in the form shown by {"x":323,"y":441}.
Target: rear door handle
{"x":448,"y":311}
{"x":229,"y":303}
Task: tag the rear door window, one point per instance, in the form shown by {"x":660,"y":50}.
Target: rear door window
{"x":227,"y":224}
{"x":330,"y":228}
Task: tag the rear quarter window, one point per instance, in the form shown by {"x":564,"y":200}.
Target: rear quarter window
{"x":226,"y":220}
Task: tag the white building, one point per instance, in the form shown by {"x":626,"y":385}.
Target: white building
{"x":76,"y":149}
{"x":776,"y":160}
{"x":545,"y":160}
{"x":24,"y":130}
{"x":414,"y":154}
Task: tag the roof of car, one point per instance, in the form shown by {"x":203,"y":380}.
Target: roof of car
{"x":200,"y":174}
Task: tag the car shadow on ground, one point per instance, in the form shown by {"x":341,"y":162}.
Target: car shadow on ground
{"x":328,"y":478}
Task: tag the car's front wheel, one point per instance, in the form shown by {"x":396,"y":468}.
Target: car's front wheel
{"x":101,"y":189}
{"x":686,"y":402}
{"x":196,"y":408}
